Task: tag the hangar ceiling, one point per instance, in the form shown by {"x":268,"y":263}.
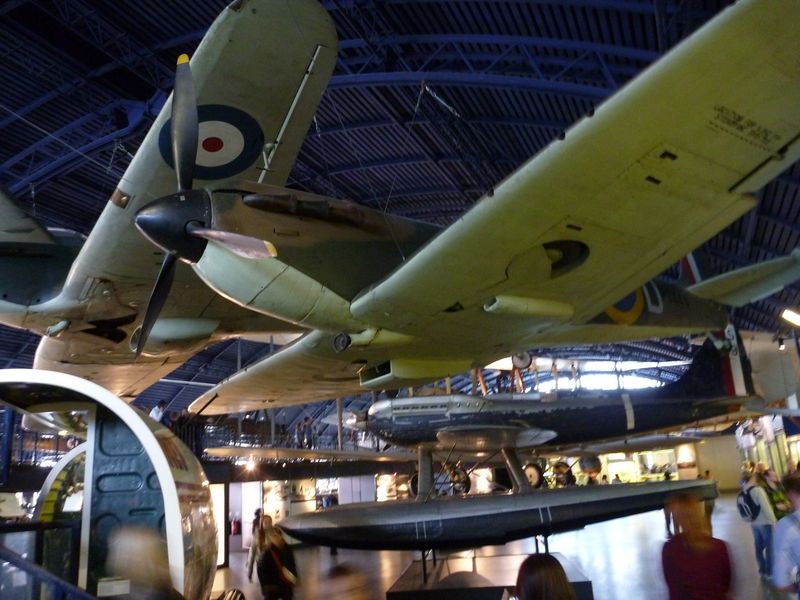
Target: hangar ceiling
{"x":431,"y":104}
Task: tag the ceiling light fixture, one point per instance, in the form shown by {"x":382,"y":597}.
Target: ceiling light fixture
{"x":791,"y":316}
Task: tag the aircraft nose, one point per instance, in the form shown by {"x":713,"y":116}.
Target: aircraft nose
{"x":164,"y":222}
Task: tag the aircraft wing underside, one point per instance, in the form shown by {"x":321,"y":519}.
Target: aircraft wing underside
{"x":316,"y":454}
{"x":124,"y":378}
{"x":656,"y":170}
{"x":259,"y":74}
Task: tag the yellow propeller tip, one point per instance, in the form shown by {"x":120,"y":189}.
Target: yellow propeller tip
{"x":273,"y":251}
{"x":183,"y":58}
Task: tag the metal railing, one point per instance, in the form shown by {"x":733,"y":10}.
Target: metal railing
{"x":37,"y":578}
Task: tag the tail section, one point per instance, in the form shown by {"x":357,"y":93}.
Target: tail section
{"x":740,"y":286}
{"x":34,"y":261}
{"x":690,"y":270}
{"x":737,"y":370}
{"x":719,"y":369}
{"x":751,"y":283}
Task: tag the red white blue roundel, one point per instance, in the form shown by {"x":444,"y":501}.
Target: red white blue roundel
{"x":229,"y":140}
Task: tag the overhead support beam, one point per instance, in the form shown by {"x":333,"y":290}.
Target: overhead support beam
{"x":435,"y":191}
{"x":76,"y":84}
{"x":84,"y":20}
{"x":71,"y":153}
{"x":373,"y":32}
{"x":630,"y":53}
{"x":659,"y":15}
{"x":398,"y":161}
{"x":489,"y":120}
{"x":640,"y":7}
{"x":9,"y":5}
{"x":416,"y":78}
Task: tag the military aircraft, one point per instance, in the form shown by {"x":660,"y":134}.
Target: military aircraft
{"x":87,"y":297}
{"x":467,"y":522}
{"x":577,"y":423}
{"x":560,"y":418}
{"x":565,"y":422}
{"x":543,"y":259}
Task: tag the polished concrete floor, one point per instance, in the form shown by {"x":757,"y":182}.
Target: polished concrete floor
{"x":622,"y":558}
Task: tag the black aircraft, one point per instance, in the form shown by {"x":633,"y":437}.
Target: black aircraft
{"x":568,"y":422}
{"x":564,"y":418}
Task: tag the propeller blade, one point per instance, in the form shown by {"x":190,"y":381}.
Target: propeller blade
{"x":184,"y":124}
{"x":157,"y":299}
{"x":241,"y":245}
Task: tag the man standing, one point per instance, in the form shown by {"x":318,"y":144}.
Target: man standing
{"x":157,"y":413}
{"x":761,"y":524}
{"x":787,"y":539}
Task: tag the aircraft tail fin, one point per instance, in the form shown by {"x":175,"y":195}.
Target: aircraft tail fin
{"x":719,"y":369}
{"x":16,"y":226}
{"x":690,"y":270}
{"x":751,"y":283}
{"x":34,"y":261}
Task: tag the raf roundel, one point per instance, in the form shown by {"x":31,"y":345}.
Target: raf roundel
{"x":228,"y":141}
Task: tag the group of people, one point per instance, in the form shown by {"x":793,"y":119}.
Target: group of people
{"x":762,"y":490}
{"x":272,"y":559}
{"x":189,"y":430}
{"x":306,"y":434}
{"x":775,"y":520}
{"x":697,"y":565}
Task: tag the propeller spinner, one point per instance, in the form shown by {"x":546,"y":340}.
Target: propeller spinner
{"x":163,"y":227}
{"x":179,"y":223}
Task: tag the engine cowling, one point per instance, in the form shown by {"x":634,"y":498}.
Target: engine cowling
{"x":177,"y":335}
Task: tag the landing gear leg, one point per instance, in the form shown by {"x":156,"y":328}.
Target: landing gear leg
{"x":425,"y":479}
{"x":518,"y":477}
{"x":424,"y":568}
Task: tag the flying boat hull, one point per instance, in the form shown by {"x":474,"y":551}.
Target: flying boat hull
{"x":464,"y":522}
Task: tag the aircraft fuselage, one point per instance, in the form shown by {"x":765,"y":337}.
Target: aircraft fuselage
{"x":574,"y":417}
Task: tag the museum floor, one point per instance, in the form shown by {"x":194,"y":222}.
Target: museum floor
{"x":621,"y":557}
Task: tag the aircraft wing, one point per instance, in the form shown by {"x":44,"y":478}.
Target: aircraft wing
{"x":276,"y":454}
{"x":249,"y":77}
{"x":483,"y":438}
{"x":18,"y":226}
{"x":657,"y":170}
{"x":258,"y":73}
{"x":639,"y":443}
{"x":86,"y":359}
{"x":307,"y":370}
